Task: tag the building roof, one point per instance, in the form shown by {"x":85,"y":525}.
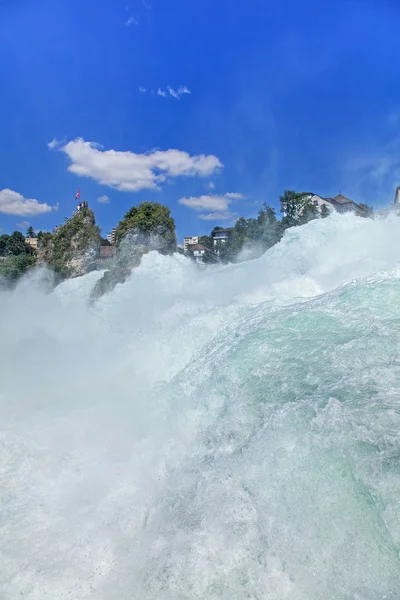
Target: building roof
{"x":199,"y":247}
{"x":340,"y":199}
{"x":223,"y":230}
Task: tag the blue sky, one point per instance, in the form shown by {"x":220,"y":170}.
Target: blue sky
{"x":290,"y":95}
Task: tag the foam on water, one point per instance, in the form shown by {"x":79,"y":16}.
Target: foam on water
{"x":220,"y":433}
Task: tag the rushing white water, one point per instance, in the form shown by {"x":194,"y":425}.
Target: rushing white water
{"x":222,"y":433}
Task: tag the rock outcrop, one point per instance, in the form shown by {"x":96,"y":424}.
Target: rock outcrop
{"x":74,"y":249}
{"x":128,"y":258}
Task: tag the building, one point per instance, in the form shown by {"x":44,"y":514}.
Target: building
{"x":319,"y":202}
{"x":190,"y":241}
{"x":221,"y":235}
{"x":31,"y":242}
{"x":111,"y":236}
{"x":107,"y":252}
{"x":339,"y":203}
{"x":201,"y":253}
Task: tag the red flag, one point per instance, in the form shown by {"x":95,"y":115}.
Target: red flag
{"x":78,"y":195}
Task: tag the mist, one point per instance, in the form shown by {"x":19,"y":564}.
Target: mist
{"x":214,"y":433}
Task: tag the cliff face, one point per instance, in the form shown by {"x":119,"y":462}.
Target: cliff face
{"x":74,"y":249}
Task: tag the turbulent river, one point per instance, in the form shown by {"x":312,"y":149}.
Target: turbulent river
{"x":200,"y":434}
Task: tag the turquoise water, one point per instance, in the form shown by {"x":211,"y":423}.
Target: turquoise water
{"x":228,"y":433}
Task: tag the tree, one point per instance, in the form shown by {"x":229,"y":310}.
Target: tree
{"x":44,"y":236}
{"x":324,"y":212}
{"x":152,"y":225}
{"x":267,"y":227}
{"x":14,"y":266}
{"x":254,"y":235}
{"x":297,"y":209}
{"x":16,"y":244}
{"x":30,"y":233}
{"x":4,"y":244}
{"x":207,"y":241}
{"x":309,"y":213}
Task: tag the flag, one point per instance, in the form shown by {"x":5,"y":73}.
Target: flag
{"x":78,"y":195}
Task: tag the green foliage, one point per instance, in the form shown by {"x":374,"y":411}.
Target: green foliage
{"x":324,"y":212}
{"x":207,"y":241}
{"x":153,"y":224}
{"x":297,"y":209}
{"x":43,"y":237}
{"x":14,"y":266}
{"x":255,"y":234}
{"x":4,"y":244}
{"x":309,"y":213}
{"x":30,"y":232}
{"x":14,"y":245}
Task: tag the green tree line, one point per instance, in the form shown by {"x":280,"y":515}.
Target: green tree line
{"x":264,"y":231}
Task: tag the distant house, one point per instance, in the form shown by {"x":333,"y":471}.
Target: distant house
{"x":201,"y":253}
{"x":190,"y":241}
{"x":111,"y":236}
{"x":107,"y":252}
{"x":31,"y":242}
{"x":221,"y":235}
{"x":319,"y":202}
{"x":339,"y":203}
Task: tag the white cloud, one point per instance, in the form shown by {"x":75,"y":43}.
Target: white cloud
{"x":234,"y":196}
{"x":53,"y":143}
{"x":218,"y":205}
{"x":216,"y":216}
{"x":175,"y":93}
{"x":23,"y":224}
{"x":211,"y":185}
{"x":210,"y":202}
{"x":130,"y":172}
{"x":142,"y":90}
{"x":103,"y":199}
{"x":131,"y":21}
{"x":183,"y":90}
{"x":204,"y":202}
{"x":13,"y":203}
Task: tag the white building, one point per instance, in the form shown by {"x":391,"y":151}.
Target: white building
{"x":31,"y":241}
{"x":190,"y":241}
{"x":339,"y":203}
{"x":320,"y":202}
{"x":201,"y":254}
{"x":111,"y":236}
{"x":221,"y":235}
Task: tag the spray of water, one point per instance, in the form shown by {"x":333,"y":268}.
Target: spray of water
{"x":220,"y":433}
